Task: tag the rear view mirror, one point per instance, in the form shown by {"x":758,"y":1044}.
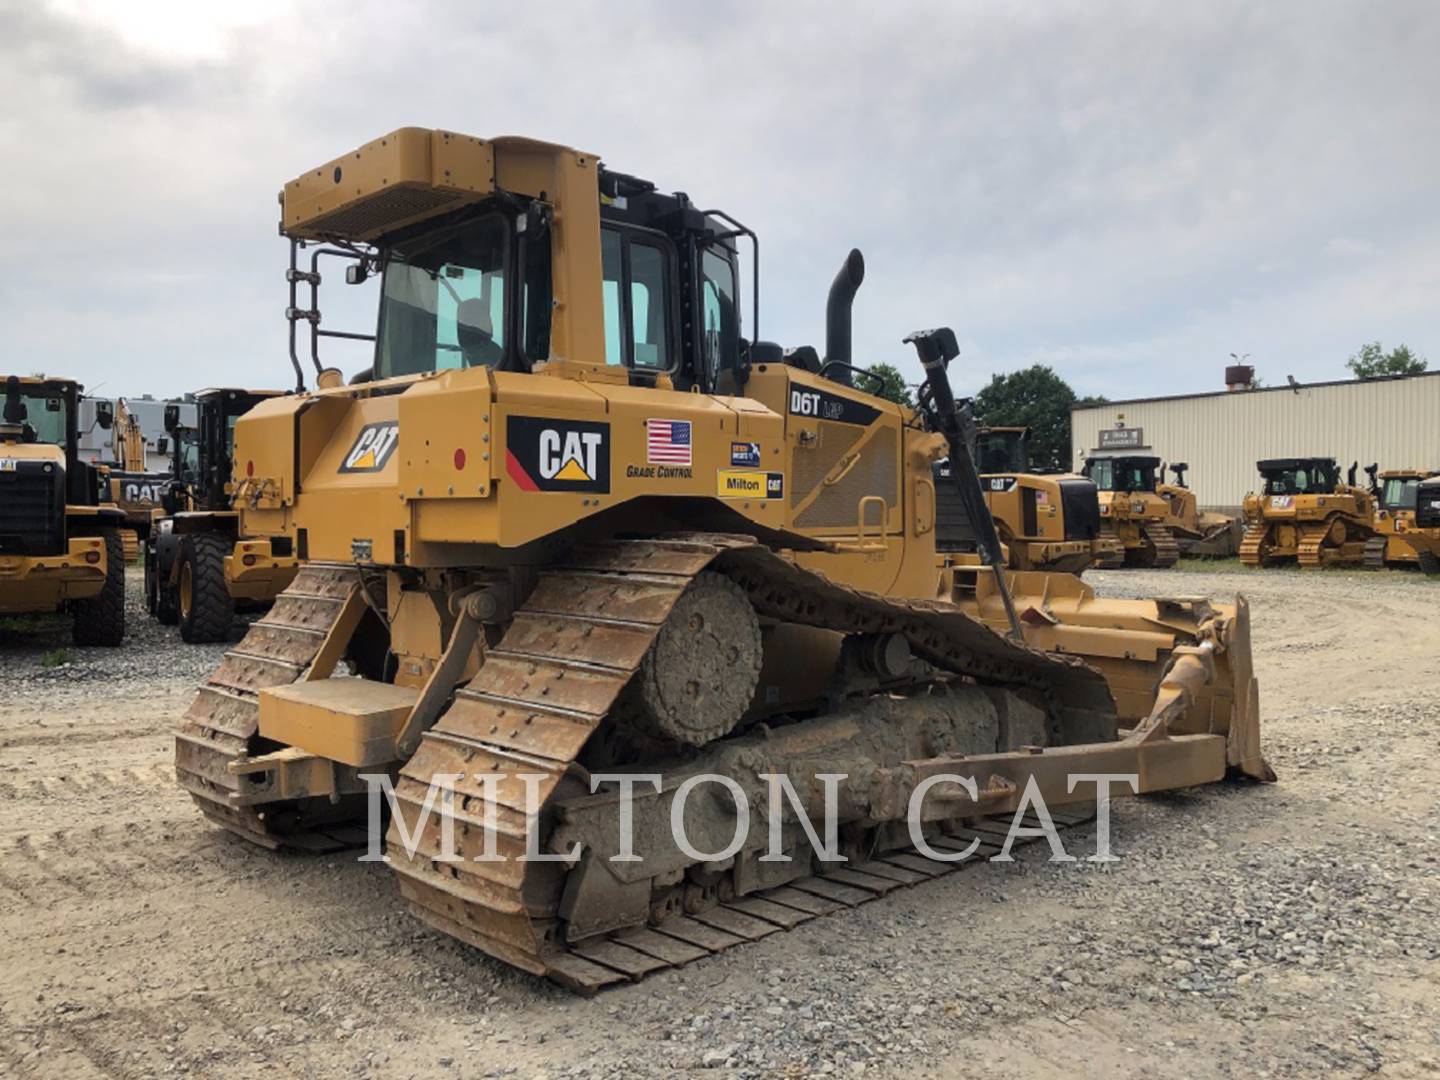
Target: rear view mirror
{"x":356,"y":273}
{"x":104,"y":412}
{"x":172,"y":417}
{"x":162,"y":445}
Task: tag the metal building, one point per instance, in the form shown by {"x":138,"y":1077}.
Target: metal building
{"x":1393,"y":421}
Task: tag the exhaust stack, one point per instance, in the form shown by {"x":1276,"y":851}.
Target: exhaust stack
{"x":837,"y":315}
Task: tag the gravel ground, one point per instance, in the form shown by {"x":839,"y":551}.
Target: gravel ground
{"x":1287,"y":930}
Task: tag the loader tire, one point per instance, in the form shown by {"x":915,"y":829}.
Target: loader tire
{"x":1429,"y":563}
{"x":167,"y":604}
{"x":206,"y":610}
{"x":160,"y":598}
{"x":152,"y":585}
{"x":100,"y":619}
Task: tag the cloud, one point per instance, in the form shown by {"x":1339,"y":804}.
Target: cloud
{"x":1127,"y":192}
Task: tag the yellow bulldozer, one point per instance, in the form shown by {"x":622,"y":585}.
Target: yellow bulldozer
{"x":578,"y":547}
{"x":1399,"y":539}
{"x":1306,"y":513}
{"x":1426,"y":538}
{"x":60,"y":536}
{"x":1133,"y":515}
{"x":1047,"y":521}
{"x":199,"y":563}
{"x":1200,"y":534}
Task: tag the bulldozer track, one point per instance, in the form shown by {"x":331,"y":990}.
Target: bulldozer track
{"x":1167,"y":551}
{"x":628,"y":955}
{"x":1375,"y":553}
{"x":551,"y":681}
{"x":1252,"y":546}
{"x":1117,"y":561}
{"x":225,"y":714}
{"x":1317,"y":549}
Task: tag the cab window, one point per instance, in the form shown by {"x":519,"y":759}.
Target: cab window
{"x":443,"y":303}
{"x":635,"y":294}
{"x":647,"y":307}
{"x":720,"y":327}
{"x":611,"y":275}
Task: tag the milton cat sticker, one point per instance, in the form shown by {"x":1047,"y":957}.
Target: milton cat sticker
{"x":372,"y":447}
{"x":557,"y":455}
{"x":749,"y":484}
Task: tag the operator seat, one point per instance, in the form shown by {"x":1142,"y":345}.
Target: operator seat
{"x":475,"y":331}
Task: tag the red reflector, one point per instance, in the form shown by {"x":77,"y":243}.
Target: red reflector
{"x":248,"y":560}
{"x":249,"y":468}
{"x":460,"y":458}
{"x":92,"y":556}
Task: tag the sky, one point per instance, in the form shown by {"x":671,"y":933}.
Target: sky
{"x":1128,"y":192}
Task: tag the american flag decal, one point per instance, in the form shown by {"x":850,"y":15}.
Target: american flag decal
{"x":667,"y":442}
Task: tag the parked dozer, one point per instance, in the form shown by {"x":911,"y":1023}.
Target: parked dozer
{"x":200,"y":564}
{"x":1307,"y":514}
{"x":1399,"y":541}
{"x":1427,"y":524}
{"x":1046,"y":521}
{"x":1133,"y":515}
{"x":60,"y":542}
{"x":1200,"y":534}
{"x":572,"y":527}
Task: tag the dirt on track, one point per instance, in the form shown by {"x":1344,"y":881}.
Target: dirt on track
{"x":1289,"y":930}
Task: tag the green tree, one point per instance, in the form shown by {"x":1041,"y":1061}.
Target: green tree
{"x":1372,"y":361}
{"x":1039,"y":399}
{"x":892,"y":385}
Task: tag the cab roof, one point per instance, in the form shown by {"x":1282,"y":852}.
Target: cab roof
{"x":57,"y":381}
{"x":1121,"y":455}
{"x":1281,"y":464}
{"x":213,"y":391}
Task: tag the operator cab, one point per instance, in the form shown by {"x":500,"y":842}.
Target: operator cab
{"x":1299,"y":476}
{"x":1127,"y":474}
{"x":1002,"y":450}
{"x":1400,"y":492}
{"x":474,"y":288}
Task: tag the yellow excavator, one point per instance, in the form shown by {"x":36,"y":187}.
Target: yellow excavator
{"x":1399,"y":540}
{"x":1200,"y":534}
{"x":573,"y":533}
{"x":60,"y":536}
{"x":133,"y":486}
{"x":1133,"y":514}
{"x":1305,"y":512}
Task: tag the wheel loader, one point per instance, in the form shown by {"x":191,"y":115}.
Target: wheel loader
{"x":1306,"y":513}
{"x":199,"y":563}
{"x":1132,"y":512}
{"x":574,"y":546}
{"x":1044,"y":521}
{"x":60,"y":537}
{"x":1199,"y":534}
{"x":1399,"y":541}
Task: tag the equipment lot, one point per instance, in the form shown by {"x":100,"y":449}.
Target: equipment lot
{"x":1284,"y":930}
